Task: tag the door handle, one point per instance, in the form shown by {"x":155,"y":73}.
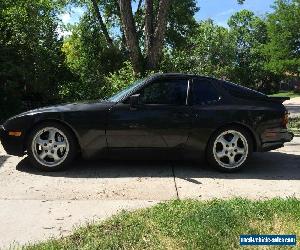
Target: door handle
{"x":134,"y":126}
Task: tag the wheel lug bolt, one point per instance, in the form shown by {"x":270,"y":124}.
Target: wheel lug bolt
{"x":52,"y":151}
{"x":55,"y":146}
{"x":45,"y":144}
{"x":227,"y":146}
{"x":226,"y":152}
{"x":231,"y":154}
{"x":50,"y":141}
{"x":46,"y":151}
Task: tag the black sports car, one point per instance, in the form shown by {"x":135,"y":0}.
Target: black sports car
{"x":186,"y":114}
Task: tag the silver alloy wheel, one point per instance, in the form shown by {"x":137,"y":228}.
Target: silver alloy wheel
{"x":50,"y":146}
{"x":230,"y":149}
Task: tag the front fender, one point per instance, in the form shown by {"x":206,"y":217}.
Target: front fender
{"x":16,"y":145}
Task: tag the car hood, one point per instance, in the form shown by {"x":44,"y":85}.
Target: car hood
{"x":68,"y":107}
{"x":24,"y":120}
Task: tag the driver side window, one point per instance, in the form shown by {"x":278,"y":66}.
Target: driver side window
{"x":166,"y":91}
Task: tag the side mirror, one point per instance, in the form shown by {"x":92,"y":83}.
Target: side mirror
{"x":134,"y":100}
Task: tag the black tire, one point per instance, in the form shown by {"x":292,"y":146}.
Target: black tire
{"x":71,"y":154}
{"x":212,"y":160}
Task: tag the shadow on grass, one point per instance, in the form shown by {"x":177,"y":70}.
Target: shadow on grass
{"x":268,"y":166}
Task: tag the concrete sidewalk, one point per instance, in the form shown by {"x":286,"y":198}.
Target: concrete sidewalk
{"x":31,"y":220}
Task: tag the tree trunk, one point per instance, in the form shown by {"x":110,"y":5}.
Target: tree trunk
{"x":148,"y":25}
{"x":155,"y":49}
{"x":102,"y":24}
{"x":131,"y":35}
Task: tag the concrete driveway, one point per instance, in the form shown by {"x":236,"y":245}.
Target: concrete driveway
{"x":37,"y":205}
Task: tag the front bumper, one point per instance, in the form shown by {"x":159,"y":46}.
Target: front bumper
{"x":11,"y":144}
{"x":273,"y":139}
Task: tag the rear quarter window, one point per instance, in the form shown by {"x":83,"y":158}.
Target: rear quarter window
{"x":240,"y":91}
{"x":203,"y":92}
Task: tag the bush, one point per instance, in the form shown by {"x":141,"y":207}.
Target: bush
{"x":120,"y":79}
{"x":80,"y":91}
{"x":98,"y":89}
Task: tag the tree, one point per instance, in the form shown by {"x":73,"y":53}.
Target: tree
{"x":90,"y":59}
{"x":155,"y":29}
{"x":181,"y":23}
{"x":102,"y":24}
{"x":144,"y":31}
{"x":210,"y":51}
{"x":213,"y":50}
{"x":283,"y":47}
{"x":249,"y":34}
{"x":32,"y":63}
{"x":158,"y":19}
{"x":129,"y":29}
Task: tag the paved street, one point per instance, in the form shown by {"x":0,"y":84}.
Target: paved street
{"x":293,"y":106}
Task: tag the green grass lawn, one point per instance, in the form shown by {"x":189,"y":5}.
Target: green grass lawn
{"x":290,"y":94}
{"x":186,"y":224}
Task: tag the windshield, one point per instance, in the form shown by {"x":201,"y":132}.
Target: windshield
{"x":125,"y":92}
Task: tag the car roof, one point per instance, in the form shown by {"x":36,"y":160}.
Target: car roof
{"x":224,"y":83}
{"x":184,"y":75}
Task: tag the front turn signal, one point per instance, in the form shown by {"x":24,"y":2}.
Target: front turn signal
{"x":15,"y":133}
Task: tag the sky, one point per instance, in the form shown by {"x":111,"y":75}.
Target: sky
{"x":218,"y":10}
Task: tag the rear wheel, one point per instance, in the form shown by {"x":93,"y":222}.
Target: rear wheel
{"x":229,"y":149}
{"x":51,"y":146}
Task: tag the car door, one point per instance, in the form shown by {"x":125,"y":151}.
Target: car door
{"x":162,"y":119}
{"x":206,"y":102}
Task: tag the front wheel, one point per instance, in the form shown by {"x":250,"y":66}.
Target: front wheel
{"x":229,"y":149}
{"x":51,"y":146}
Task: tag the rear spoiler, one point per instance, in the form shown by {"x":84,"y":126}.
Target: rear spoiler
{"x":278,"y":98}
